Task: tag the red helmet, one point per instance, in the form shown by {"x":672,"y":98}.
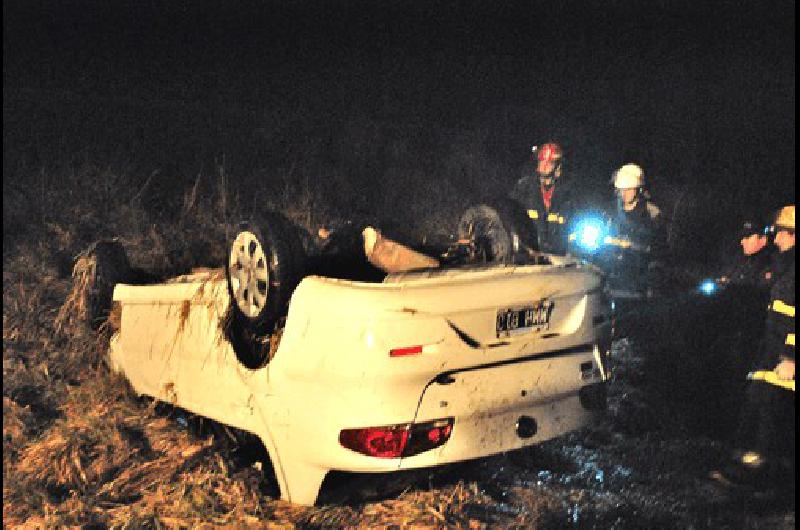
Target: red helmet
{"x":549,"y":152}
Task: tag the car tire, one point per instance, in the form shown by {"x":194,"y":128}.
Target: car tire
{"x":265,"y":263}
{"x":111,"y":266}
{"x":499,"y":231}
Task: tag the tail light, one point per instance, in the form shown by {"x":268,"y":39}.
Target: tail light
{"x":396,"y":441}
{"x":405,"y":352}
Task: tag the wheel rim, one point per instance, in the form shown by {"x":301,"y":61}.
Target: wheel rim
{"x":249,"y":274}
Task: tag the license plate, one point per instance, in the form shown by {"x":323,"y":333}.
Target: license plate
{"x":517,"y":320}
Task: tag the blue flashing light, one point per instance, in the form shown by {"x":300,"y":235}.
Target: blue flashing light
{"x":590,"y":234}
{"x":708,"y":287}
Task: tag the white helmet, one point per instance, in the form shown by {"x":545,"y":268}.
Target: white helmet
{"x":629,"y":176}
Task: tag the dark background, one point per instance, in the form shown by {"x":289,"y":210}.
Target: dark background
{"x":358,"y":98}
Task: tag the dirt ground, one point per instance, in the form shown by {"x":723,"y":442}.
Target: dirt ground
{"x":80,"y":450}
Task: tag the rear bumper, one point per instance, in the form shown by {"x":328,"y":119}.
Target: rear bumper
{"x":341,"y":483}
{"x":495,"y":409}
{"x":485,"y":435}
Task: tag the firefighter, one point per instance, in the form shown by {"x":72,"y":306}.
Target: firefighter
{"x":738,"y":316}
{"x":637,"y":216}
{"x":640,"y":222}
{"x":764,"y":444}
{"x":747,"y":284}
{"x":545,"y":198}
{"x":751,"y":267}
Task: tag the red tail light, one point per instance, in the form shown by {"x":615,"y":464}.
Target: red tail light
{"x":395,"y":441}
{"x":380,"y":442}
{"x":404,"y":352}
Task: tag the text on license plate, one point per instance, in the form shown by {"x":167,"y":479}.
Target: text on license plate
{"x":517,"y":320}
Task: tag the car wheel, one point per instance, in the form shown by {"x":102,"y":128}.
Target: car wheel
{"x":498,"y":231}
{"x":264,"y":264}
{"x":111,"y":266}
{"x":482,"y":227}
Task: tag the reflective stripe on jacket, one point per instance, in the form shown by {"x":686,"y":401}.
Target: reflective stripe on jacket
{"x":779,"y":339}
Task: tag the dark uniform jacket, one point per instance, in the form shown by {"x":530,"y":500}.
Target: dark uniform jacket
{"x":750,"y":271}
{"x":744,"y":298}
{"x":551,"y":225}
{"x":644,"y":229}
{"x":748,"y":282}
{"x":779,"y":334}
{"x":643,"y":226}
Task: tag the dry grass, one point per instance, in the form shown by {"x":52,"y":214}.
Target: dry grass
{"x":16,"y":420}
{"x":75,"y":309}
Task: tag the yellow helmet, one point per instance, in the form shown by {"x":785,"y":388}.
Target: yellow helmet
{"x":785,"y":218}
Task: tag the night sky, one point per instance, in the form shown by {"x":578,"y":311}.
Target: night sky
{"x":700,"y":93}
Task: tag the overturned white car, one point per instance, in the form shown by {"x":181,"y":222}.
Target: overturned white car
{"x":425,"y":367}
